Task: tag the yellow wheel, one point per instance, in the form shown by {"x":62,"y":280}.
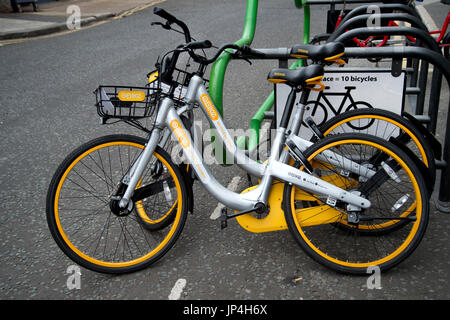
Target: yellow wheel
{"x":395,"y":187}
{"x":385,"y":125}
{"x":82,"y":206}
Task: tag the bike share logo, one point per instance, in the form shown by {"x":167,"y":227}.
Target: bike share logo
{"x":207,"y":103}
{"x":179,"y":132}
{"x":131,"y":95}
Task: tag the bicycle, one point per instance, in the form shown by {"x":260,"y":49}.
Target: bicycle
{"x":350,"y":176}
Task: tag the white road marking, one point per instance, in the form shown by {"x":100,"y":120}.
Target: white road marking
{"x":427,"y":19}
{"x":177,"y":289}
{"x":231,"y":186}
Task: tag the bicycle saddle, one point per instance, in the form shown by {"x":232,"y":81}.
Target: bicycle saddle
{"x":303,"y":77}
{"x":328,"y":52}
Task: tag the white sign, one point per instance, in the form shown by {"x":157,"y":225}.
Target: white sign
{"x":347,"y":90}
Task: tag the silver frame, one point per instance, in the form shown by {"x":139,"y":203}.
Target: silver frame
{"x":275,"y":168}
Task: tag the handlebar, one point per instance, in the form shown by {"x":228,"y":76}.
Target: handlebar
{"x":205,"y":44}
{"x":242,"y":52}
{"x":171,"y":19}
{"x":168,"y":64}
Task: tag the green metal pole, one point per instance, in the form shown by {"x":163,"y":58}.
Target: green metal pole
{"x":218,"y":69}
{"x":255,"y":123}
{"x":306,"y":23}
{"x":217,"y":76}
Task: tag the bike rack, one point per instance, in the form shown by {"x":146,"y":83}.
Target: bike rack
{"x":384,"y":8}
{"x":425,"y":39}
{"x":439,"y":62}
{"x":415,"y":55}
{"x":384,"y":17}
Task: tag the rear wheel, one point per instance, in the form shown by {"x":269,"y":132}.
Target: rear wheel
{"x":385,"y":125}
{"x":83,"y":213}
{"x":394,"y":186}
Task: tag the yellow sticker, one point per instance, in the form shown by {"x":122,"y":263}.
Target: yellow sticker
{"x":179,"y":132}
{"x":209,"y":106}
{"x":131,"y":96}
{"x":153,"y":77}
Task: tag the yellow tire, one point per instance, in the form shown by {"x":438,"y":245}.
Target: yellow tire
{"x":350,"y":250}
{"x":81,"y":212}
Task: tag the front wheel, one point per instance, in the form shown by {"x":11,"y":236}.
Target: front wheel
{"x":387,"y":177}
{"x":82,"y":206}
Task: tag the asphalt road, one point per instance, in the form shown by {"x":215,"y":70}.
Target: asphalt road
{"x":47,"y":109}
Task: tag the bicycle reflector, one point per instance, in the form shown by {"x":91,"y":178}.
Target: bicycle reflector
{"x":152,"y":77}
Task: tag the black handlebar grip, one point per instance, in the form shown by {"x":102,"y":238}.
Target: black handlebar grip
{"x":205,"y":44}
{"x":164,"y":14}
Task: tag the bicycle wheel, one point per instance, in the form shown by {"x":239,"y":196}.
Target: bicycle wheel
{"x":317,"y":111}
{"x":384,"y":124}
{"x":82,"y":206}
{"x":395,"y":184}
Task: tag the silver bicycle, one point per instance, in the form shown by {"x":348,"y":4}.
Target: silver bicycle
{"x":118,"y":203}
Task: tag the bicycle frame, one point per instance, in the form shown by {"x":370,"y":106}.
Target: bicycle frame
{"x":169,"y":117}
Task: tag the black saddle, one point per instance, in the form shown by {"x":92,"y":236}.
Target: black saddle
{"x":327,"y":52}
{"x":298,"y":77}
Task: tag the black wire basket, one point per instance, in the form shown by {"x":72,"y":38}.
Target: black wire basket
{"x":132,"y":104}
{"x":126,"y":103}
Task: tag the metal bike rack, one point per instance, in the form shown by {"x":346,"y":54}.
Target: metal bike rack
{"x":423,"y":38}
{"x":418,"y":61}
{"x":443,"y":67}
{"x":384,"y":8}
{"x":383,"y":17}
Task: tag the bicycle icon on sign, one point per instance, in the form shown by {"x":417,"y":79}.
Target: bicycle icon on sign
{"x":319,"y":112}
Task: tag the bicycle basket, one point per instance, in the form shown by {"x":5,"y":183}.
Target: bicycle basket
{"x":125,"y":103}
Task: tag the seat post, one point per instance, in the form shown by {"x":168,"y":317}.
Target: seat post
{"x":305,"y":96}
{"x":288,"y":108}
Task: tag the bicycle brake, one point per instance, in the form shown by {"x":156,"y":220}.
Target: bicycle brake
{"x":239,"y":56}
{"x":164,"y":25}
